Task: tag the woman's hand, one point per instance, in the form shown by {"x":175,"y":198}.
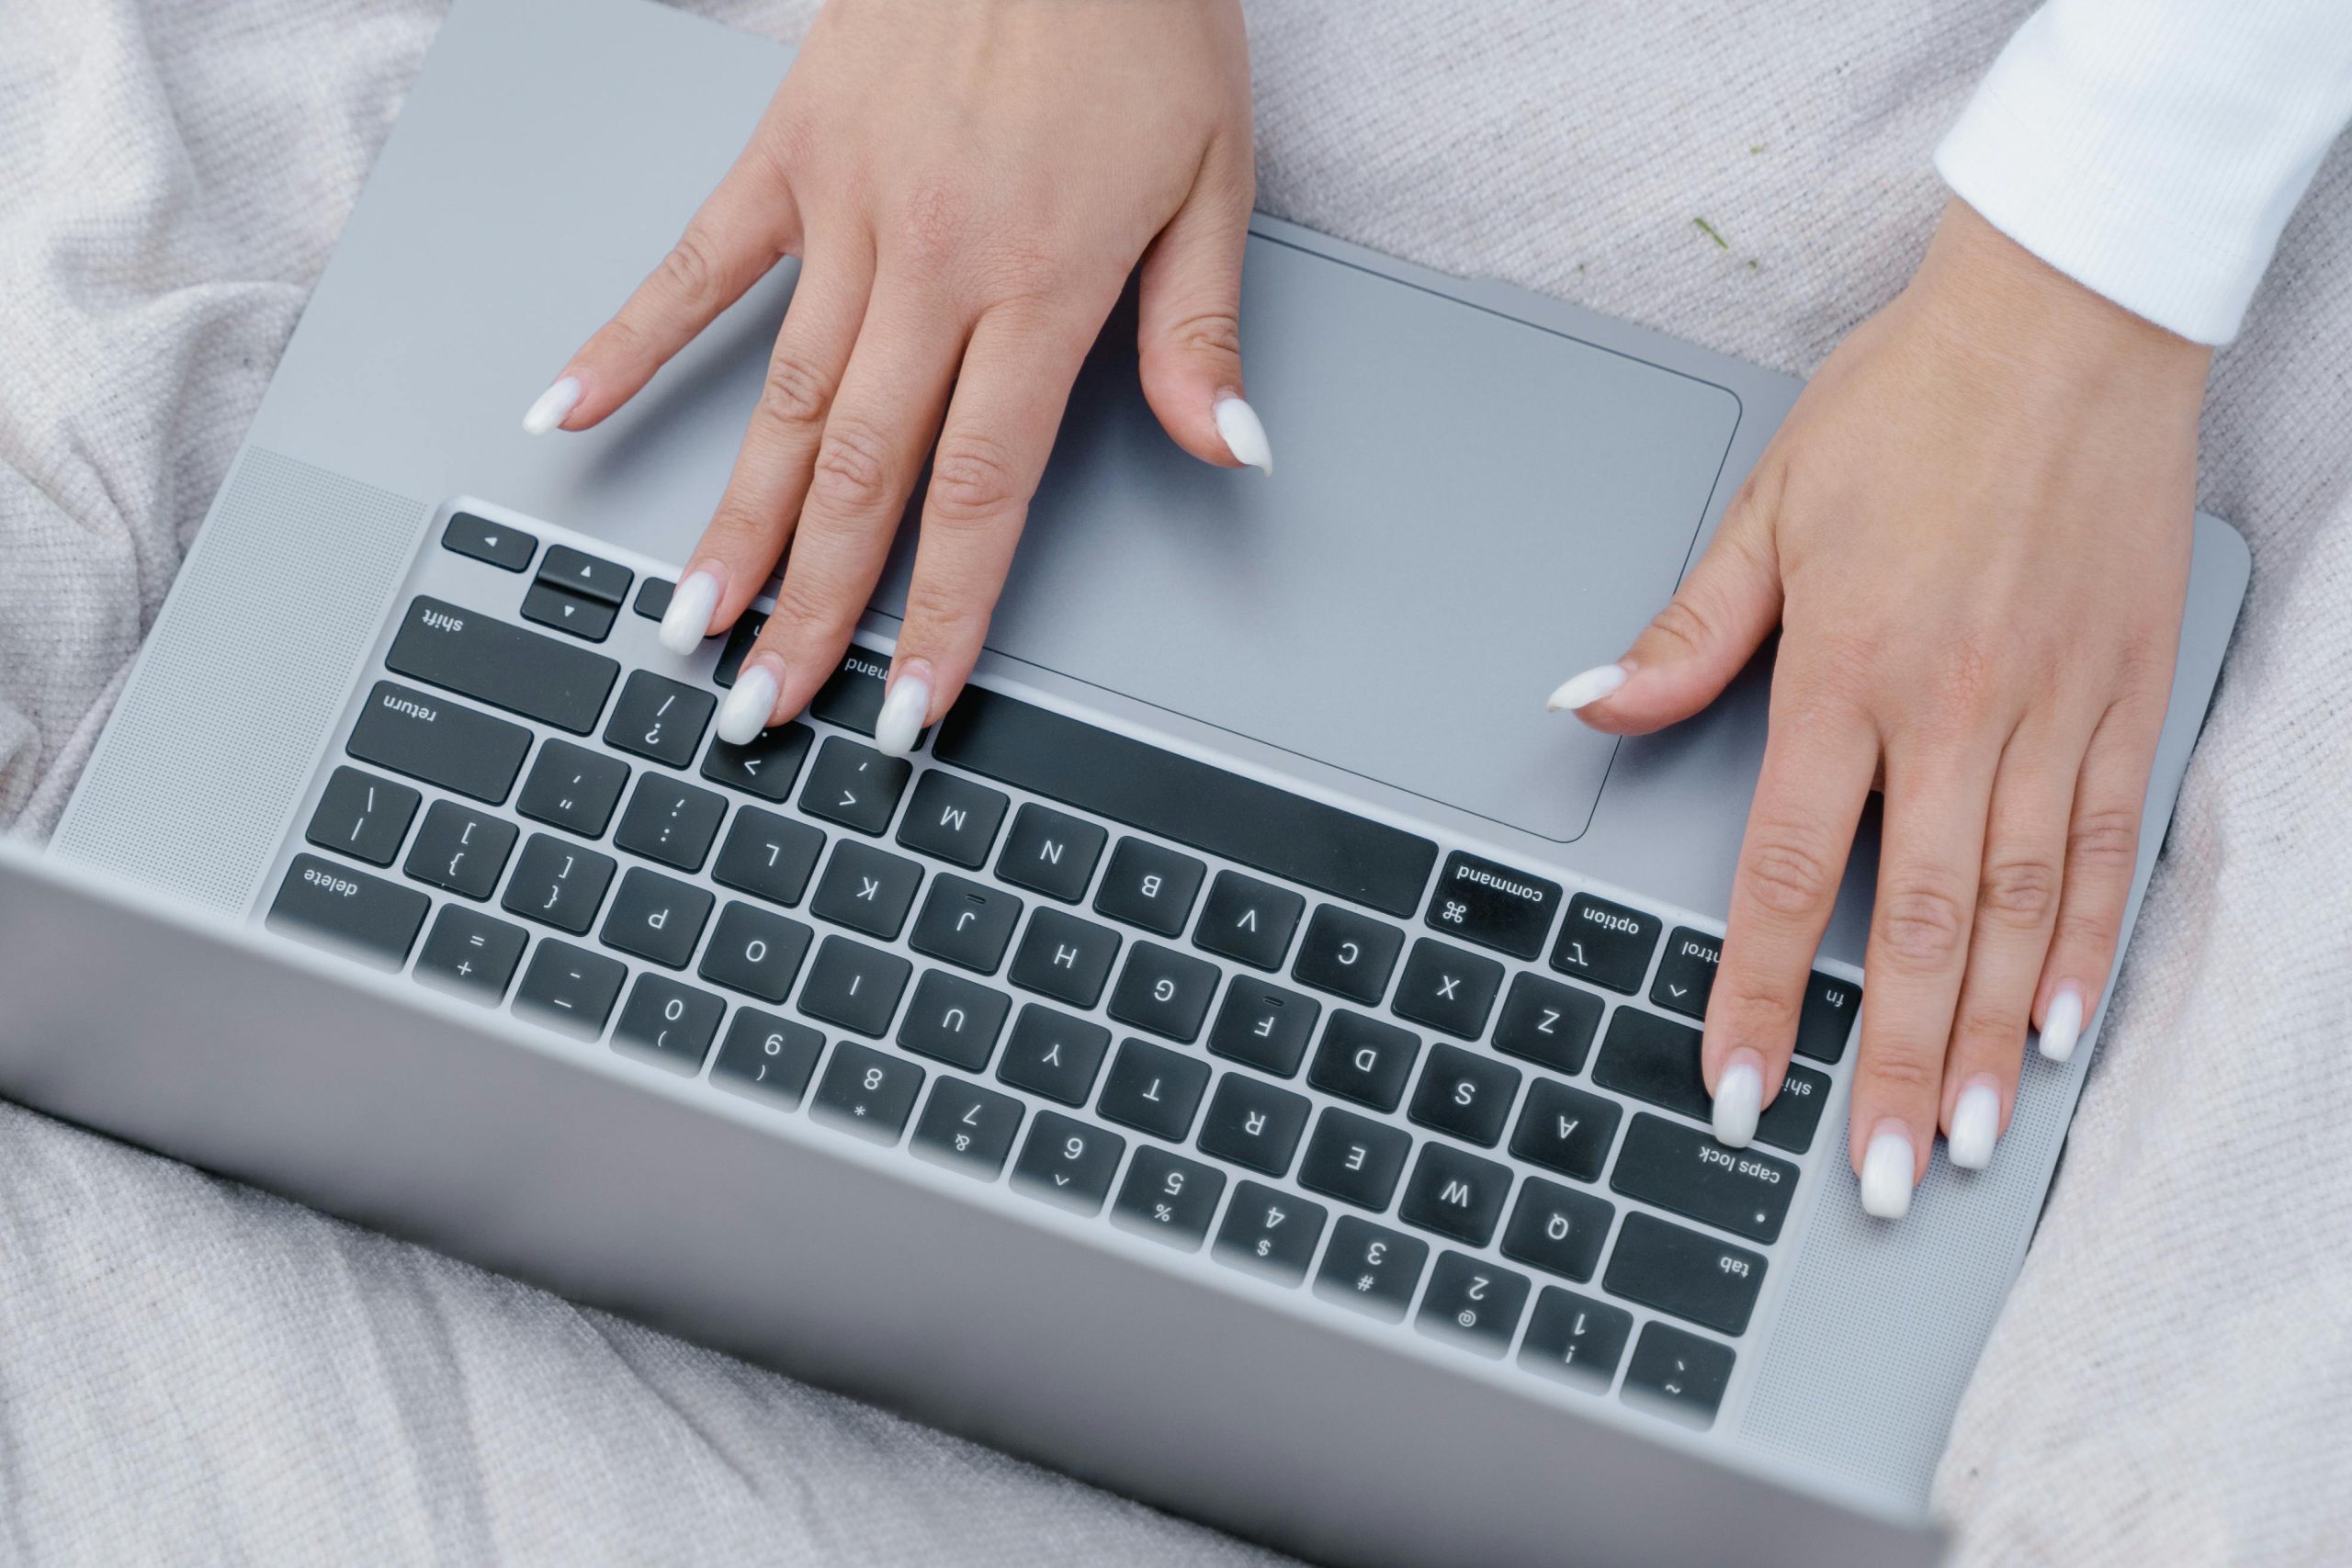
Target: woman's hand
{"x":969,"y":188}
{"x":1974,"y":531}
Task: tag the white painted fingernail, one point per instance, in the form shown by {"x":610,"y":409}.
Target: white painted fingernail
{"x":1887,"y":1166}
{"x":2062,"y":1026}
{"x":554,"y":405}
{"x":1586,"y":688}
{"x":900,"y":725}
{"x":687,"y":620}
{"x":1739,"y":1096}
{"x":745,"y":712}
{"x":1975,"y":1123}
{"x":1245,"y":436}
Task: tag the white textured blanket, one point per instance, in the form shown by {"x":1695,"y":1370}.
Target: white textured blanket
{"x":192,"y":1372}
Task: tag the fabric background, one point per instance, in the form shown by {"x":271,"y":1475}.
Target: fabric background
{"x":192,"y":1372}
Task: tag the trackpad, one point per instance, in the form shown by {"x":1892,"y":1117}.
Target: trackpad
{"x":1464,"y":510}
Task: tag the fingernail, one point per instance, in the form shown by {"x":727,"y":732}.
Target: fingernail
{"x":554,"y":405}
{"x":2062,"y":1026}
{"x":1740,"y":1095}
{"x":1887,"y":1166}
{"x":1975,"y":1123}
{"x":1583,"y":690}
{"x":687,"y":620}
{"x":747,"y":708}
{"x":1245,"y":436}
{"x":900,"y":725}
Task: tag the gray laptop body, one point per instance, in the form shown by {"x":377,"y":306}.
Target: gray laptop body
{"x":1363,"y":640}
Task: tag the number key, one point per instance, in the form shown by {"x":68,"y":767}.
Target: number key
{"x":1067,"y":1163}
{"x":867,"y":1093}
{"x":1169,"y":1198}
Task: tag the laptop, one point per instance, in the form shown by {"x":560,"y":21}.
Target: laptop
{"x":1246,"y":1058}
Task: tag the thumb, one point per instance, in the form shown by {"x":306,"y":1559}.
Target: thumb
{"x":1689,"y":651}
{"x":1189,"y":320}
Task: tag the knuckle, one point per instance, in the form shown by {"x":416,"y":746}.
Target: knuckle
{"x":1683,"y":623}
{"x":1786,"y":875}
{"x":2106,"y":839}
{"x":811,"y":608}
{"x":1757,"y":1009}
{"x":971,"y":480}
{"x":1206,"y":333}
{"x":736,"y":532}
{"x":853,"y":469}
{"x":1922,"y":924}
{"x":1906,"y":1071}
{"x":691,"y":270}
{"x":796,"y":393}
{"x":1980,"y":1024}
{"x":934,"y":218}
{"x":2019,"y":892}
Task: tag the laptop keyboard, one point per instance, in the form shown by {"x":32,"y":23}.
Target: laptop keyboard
{"x":1314,"y":1048}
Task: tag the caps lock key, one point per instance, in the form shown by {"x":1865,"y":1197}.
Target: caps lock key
{"x":1493,"y":905}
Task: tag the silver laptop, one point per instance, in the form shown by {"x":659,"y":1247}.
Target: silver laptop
{"x":1248,"y":1059}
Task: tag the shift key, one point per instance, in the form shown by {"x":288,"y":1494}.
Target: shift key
{"x":486,"y":658}
{"x":441,"y":742}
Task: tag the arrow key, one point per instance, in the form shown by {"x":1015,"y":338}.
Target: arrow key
{"x":568,"y":612}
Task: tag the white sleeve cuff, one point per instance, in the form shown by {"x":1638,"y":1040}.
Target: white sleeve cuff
{"x":2152,"y":148}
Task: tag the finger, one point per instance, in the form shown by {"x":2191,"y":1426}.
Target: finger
{"x":1000,"y":425}
{"x":876,"y":434}
{"x":1724,"y":611}
{"x":1189,"y":318}
{"x":744,"y":227}
{"x":1932,"y":849}
{"x":738,"y":551}
{"x":2102,"y":854}
{"x":2017,"y":909}
{"x":1817,"y":766}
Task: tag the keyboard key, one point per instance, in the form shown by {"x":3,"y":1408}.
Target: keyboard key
{"x":866,"y":889}
{"x":653,"y":596}
{"x":1203,"y":808}
{"x":1677,"y":1375}
{"x":852,"y":695}
{"x":864,"y":1092}
{"x":952,"y":819}
{"x":739,"y":639}
{"x":1270,"y":1234}
{"x":765,"y":765}
{"x":767,"y":1058}
{"x":1364,"y":1059}
{"x":953,"y":1021}
{"x":1165,"y":991}
{"x":1447,"y":989}
{"x":1051,"y":853}
{"x":966,"y":1128}
{"x":461,"y":850}
{"x":1264,"y":1026}
{"x":1558,"y":1229}
{"x":1656,"y":1059}
{"x":573,"y":788}
{"x":1547,"y":1024}
{"x":497,"y":662}
{"x":588,"y":619}
{"x":855,"y":986}
{"x":570,"y":989}
{"x":558,"y":884}
{"x":1053,"y":1055}
{"x":855,"y":785}
{"x":1687,"y":974}
{"x":755,"y":953}
{"x":362,"y":816}
{"x":1465,"y":1094}
{"x":579,"y":572}
{"x":1455,"y":1194}
{"x":1348,"y":954}
{"x":1249,"y":919}
{"x":668,"y":1023}
{"x":1574,"y":1339}
{"x":657,"y":917}
{"x":1354,"y":1159}
{"x":1067,"y":1163}
{"x":768,"y":855}
{"x":432,"y":738}
{"x":1150,"y":885}
{"x":1472,"y":1305}
{"x":364,"y":918}
{"x":659,"y":719}
{"x":1606,"y":943}
{"x":1065,"y":958}
{"x":1685,"y":1171}
{"x":1169,"y":1198}
{"x":1828,"y":1017}
{"x":1154,"y":1090}
{"x":965,"y":923}
{"x":1251,"y":1123}
{"x":1565,"y":1130}
{"x":469,"y":954}
{"x":1371,"y":1267}
{"x":670,"y":821}
{"x":1490,"y":904}
{"x":509,"y":549}
{"x":1710,"y":1282}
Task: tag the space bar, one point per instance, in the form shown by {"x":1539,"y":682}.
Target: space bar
{"x":1142,"y":787}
